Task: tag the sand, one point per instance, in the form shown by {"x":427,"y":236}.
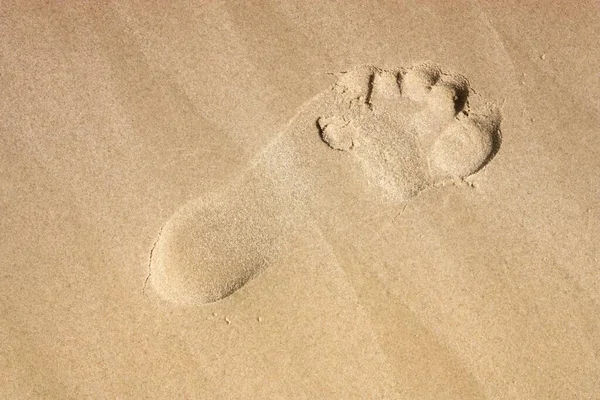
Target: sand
{"x":300,"y":200}
{"x":409,"y":130}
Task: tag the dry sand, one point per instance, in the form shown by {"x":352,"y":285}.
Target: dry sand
{"x":281,"y":200}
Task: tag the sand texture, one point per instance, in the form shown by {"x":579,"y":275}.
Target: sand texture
{"x":300,"y":200}
{"x":409,"y":130}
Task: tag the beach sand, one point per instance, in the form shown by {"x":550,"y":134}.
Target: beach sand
{"x":395,"y":200}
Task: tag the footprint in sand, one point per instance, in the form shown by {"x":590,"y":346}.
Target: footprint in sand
{"x":377,"y":136}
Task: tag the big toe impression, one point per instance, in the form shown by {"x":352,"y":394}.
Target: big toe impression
{"x":209,"y":249}
{"x":466,"y":145}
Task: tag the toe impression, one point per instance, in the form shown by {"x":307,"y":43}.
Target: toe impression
{"x":466,"y":145}
{"x":418,"y":81}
